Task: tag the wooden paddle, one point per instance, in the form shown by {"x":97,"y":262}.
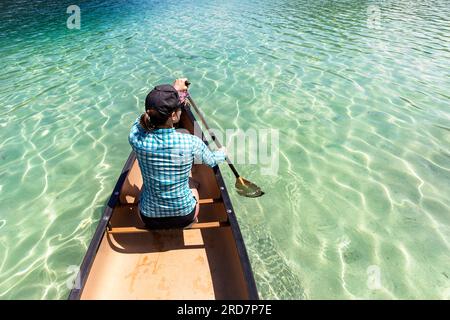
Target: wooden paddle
{"x":243,"y":186}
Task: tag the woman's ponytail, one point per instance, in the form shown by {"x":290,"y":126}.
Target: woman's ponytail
{"x":146,"y":122}
{"x":152,"y":119}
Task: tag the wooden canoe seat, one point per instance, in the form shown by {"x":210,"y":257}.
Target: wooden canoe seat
{"x":197,"y":225}
{"x":209,"y":201}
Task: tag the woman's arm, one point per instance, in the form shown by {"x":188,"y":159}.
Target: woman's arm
{"x":202,"y":154}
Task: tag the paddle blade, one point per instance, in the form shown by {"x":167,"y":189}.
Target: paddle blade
{"x":247,"y":189}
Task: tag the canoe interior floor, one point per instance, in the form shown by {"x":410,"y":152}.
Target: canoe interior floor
{"x":167,"y":264}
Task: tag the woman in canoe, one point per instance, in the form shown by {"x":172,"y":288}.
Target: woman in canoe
{"x":165,"y":157}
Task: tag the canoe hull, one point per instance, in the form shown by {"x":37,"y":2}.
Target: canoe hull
{"x":210,"y":262}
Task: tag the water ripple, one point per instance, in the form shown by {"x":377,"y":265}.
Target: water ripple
{"x":362,"y":113}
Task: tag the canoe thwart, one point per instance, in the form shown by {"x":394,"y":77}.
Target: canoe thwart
{"x":210,"y":200}
{"x":197,"y":225}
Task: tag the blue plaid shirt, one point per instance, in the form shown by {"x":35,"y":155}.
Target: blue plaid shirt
{"x":165,"y":158}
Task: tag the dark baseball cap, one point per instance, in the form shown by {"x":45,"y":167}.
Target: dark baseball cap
{"x":163,"y":98}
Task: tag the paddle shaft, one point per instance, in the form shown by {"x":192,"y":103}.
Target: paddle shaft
{"x":213,"y":136}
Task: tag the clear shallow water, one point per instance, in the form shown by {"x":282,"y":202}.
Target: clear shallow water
{"x":362,"y":105}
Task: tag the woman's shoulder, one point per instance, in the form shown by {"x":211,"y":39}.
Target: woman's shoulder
{"x":185,"y":136}
{"x":135,"y":127}
{"x":137,"y":133}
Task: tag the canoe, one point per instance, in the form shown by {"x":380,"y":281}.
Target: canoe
{"x":206,"y":261}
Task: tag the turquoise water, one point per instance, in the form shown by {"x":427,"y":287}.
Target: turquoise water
{"x":359,"y":91}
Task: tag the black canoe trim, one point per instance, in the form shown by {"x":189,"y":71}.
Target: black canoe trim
{"x":89,"y":258}
{"x":240,"y":245}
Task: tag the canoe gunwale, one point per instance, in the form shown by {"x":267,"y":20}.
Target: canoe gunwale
{"x":240,"y":245}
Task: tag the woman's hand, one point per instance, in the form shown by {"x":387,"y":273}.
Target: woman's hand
{"x":180,"y":85}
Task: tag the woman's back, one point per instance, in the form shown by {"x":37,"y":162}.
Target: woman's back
{"x":165,"y":158}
